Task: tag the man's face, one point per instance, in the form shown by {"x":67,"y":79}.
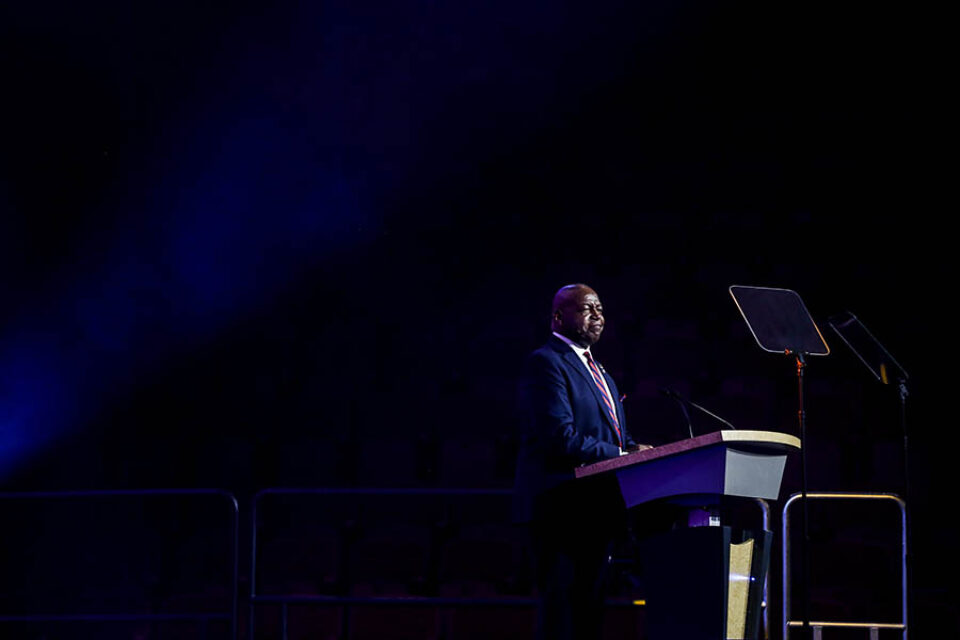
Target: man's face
{"x":580,"y":317}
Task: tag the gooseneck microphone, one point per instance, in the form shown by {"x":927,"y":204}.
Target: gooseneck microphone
{"x":684,"y":403}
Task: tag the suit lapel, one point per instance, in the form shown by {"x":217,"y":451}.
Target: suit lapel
{"x":577,"y":364}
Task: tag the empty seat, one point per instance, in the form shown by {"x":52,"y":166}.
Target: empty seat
{"x":488,"y":622}
{"x":299,"y":561}
{"x":622,"y":623}
{"x":484,"y":560}
{"x":314,"y":622}
{"x":390,"y":559}
{"x":396,"y":622}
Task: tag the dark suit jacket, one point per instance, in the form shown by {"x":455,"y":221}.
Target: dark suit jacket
{"x":566,"y":423}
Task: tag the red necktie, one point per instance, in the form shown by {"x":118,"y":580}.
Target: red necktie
{"x":607,"y":400}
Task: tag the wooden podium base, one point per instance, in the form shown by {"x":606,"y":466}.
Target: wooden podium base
{"x":706,"y":583}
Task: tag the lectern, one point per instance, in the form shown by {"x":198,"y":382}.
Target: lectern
{"x":706,"y":580}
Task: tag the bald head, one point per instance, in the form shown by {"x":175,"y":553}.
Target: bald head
{"x":570,"y":292}
{"x":578,"y":314}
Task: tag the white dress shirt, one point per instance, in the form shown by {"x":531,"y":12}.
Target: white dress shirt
{"x":582,"y":353}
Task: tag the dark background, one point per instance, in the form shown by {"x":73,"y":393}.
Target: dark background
{"x":309,"y":244}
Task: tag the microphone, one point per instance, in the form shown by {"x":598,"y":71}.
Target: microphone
{"x":683,"y":402}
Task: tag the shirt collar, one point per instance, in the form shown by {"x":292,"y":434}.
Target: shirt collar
{"x":580,"y":351}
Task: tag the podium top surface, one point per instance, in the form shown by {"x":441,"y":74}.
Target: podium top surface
{"x":771,"y":442}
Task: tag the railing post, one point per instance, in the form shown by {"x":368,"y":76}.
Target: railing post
{"x":873,"y":627}
{"x":158,"y":618}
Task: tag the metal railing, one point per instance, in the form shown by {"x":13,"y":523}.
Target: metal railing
{"x":818,"y":626}
{"x":203,"y":618}
{"x":285,"y":600}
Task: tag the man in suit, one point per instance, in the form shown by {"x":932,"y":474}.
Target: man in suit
{"x":572,"y":416}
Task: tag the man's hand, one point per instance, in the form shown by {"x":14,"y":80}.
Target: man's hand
{"x":639,"y":447}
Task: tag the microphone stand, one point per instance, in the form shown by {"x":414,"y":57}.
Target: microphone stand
{"x":903,"y":392}
{"x":805,"y":542}
{"x":683,"y":402}
{"x":683,"y":408}
{"x":880,"y":363}
{"x":708,"y":412}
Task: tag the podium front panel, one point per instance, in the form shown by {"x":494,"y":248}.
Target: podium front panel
{"x":753,"y":475}
{"x":716,"y":470}
{"x":698,"y":471}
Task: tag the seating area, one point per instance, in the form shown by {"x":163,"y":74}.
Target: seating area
{"x":119,"y":564}
{"x":417,"y":564}
{"x":337,"y":563}
{"x":380,"y":543}
{"x":332,"y":563}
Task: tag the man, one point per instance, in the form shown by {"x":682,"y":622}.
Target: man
{"x":573,"y":416}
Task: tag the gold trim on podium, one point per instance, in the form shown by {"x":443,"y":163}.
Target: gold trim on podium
{"x":760,"y":436}
{"x":741,"y":562}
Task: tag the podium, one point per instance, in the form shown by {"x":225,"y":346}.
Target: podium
{"x":706,"y":580}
